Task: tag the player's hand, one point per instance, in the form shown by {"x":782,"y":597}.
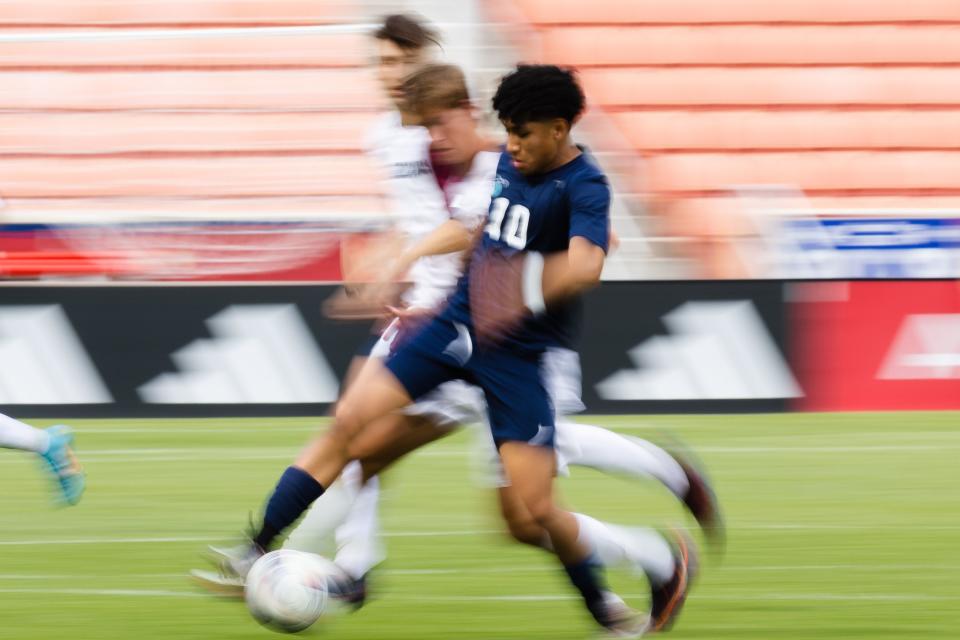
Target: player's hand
{"x":407,"y":323}
{"x":364,"y":302}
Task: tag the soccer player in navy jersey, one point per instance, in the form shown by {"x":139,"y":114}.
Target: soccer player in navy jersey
{"x":543,"y":244}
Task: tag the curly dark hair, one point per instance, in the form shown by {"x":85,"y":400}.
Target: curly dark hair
{"x":536,"y":92}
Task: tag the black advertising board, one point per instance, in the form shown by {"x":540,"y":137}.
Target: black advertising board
{"x":128,"y":351}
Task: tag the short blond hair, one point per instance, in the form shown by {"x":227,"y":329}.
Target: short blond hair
{"x":436,"y":86}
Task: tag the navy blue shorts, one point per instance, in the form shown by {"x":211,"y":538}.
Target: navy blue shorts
{"x":518,"y":404}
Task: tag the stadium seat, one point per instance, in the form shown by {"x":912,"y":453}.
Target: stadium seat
{"x":59,"y":51}
{"x":736,"y":11}
{"x":142,"y":132}
{"x":855,"y":103}
{"x":140,"y":13}
{"x":226,"y":176}
{"x":712,"y":213}
{"x":827,"y":171}
{"x":743,"y":129}
{"x":82,"y":210}
{"x":824,"y":86}
{"x":54,"y":210}
{"x":264,"y":89}
{"x":750,"y":44}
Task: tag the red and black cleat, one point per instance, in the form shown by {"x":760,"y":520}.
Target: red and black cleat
{"x":703,"y":505}
{"x":667,"y":599}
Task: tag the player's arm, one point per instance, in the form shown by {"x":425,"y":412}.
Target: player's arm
{"x":450,"y":237}
{"x":570,"y":272}
{"x":504,"y":290}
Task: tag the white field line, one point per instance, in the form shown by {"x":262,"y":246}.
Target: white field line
{"x":742,"y":597}
{"x":137,"y":593}
{"x":147,"y":454}
{"x":481,"y":532}
{"x":71,"y":541}
{"x":228,"y":430}
{"x":179,"y":539}
{"x":507,"y":569}
{"x":827,"y":526}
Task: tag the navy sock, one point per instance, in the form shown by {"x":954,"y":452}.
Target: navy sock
{"x":295,"y":491}
{"x":587,"y":577}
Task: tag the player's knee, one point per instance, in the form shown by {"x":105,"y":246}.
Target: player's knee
{"x":526,"y":531}
{"x":542,"y":512}
{"x":346,"y":420}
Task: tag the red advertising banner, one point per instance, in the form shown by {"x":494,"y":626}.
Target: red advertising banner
{"x":876,"y":345}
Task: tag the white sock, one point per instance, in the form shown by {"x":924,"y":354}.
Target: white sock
{"x":18,"y":435}
{"x":316,"y":530}
{"x":632,"y":547}
{"x":588,"y":446}
{"x":359,"y":548}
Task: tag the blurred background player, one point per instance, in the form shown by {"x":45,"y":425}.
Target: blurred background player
{"x":53,"y":446}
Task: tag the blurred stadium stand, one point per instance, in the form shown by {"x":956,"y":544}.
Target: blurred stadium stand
{"x":206,"y":111}
{"x":703,"y":111}
{"x":235,"y":108}
{"x":856,"y":103}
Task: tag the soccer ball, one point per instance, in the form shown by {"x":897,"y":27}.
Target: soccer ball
{"x":289,"y":590}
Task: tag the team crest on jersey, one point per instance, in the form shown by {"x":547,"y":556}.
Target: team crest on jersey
{"x":499,"y":184}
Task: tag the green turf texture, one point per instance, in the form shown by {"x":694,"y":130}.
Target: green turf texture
{"x":840,"y":526}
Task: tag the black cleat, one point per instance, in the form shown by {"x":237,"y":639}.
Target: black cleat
{"x":667,"y":599}
{"x":701,"y":500}
{"x":351,"y":591}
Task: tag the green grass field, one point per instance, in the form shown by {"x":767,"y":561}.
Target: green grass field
{"x":840,"y":526}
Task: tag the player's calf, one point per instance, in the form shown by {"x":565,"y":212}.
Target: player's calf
{"x":520,"y":524}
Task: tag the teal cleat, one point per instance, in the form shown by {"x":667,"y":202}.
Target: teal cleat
{"x":60,"y":461}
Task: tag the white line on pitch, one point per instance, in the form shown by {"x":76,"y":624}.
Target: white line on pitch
{"x":65,"y":541}
{"x":141,"y":593}
{"x":510,"y":569}
{"x":225,"y":452}
{"x":264,"y":429}
{"x":742,"y":597}
{"x":177,"y":539}
{"x":778,"y":597}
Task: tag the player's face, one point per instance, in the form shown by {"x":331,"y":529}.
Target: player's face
{"x":393,"y":65}
{"x":535,"y":146}
{"x":452,"y":134}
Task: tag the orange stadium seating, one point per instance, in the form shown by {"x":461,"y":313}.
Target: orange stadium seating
{"x":635,"y":45}
{"x":144,"y":133}
{"x":745,"y":129}
{"x":187,"y":176}
{"x":131,"y":109}
{"x":543,"y":12}
{"x":143,"y":51}
{"x":138,"y":13}
{"x":816,"y":171}
{"x":273,"y":90}
{"x":774,"y":87}
{"x":854,"y":102}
